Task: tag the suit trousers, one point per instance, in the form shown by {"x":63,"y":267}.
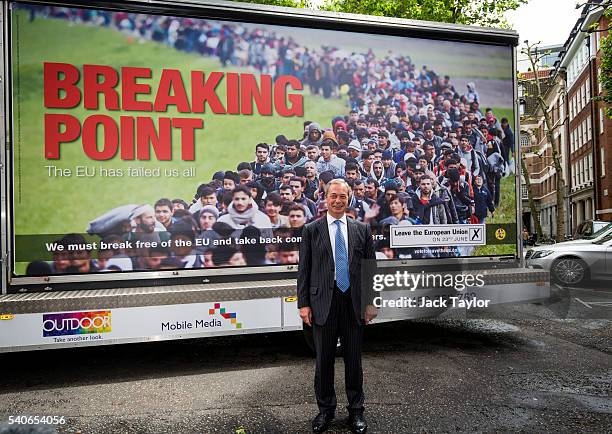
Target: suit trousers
{"x":342,"y":323}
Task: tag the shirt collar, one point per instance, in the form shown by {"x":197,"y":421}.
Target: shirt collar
{"x":331,"y":220}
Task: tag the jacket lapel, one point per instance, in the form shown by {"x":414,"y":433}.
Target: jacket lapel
{"x":324,"y":232}
{"x":352,"y":233}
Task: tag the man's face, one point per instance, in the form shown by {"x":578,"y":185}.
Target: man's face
{"x":326,"y":152}
{"x":468,"y":129}
{"x":228,"y":184}
{"x":311,"y":169}
{"x":337,"y":199}
{"x":153,"y":261}
{"x":430,"y":152}
{"x":147,"y":221}
{"x":177,"y":205}
{"x":383,"y":141}
{"x":207,"y":220}
{"x":390,"y":195}
{"x":362,"y":124}
{"x":386,"y":162}
{"x":261,"y":154}
{"x":315,"y":135}
{"x":404,"y":141}
{"x":371,"y":146}
{"x":292,"y":151}
{"x":438,"y":129}
{"x":354,"y":153}
{"x":504,"y":125}
{"x":287,"y":258}
{"x":396,"y":207}
{"x":378,"y":169}
{"x":297,"y":188}
{"x":353,"y":117}
{"x":296,"y":219}
{"x":351,"y":174}
{"x":287,"y":177}
{"x":287,"y":194}
{"x":211,"y":199}
{"x":272,"y":210}
{"x":425,"y":186}
{"x":478,"y":181}
{"x":359,"y":191}
{"x":429,"y":134}
{"x":237,"y":260}
{"x":163,"y":214}
{"x":370,"y":191}
{"x":464,"y":143}
{"x":245,"y":180}
{"x":279,"y":154}
{"x":312,"y":154}
{"x":241,"y":201}
{"x":377,"y":156}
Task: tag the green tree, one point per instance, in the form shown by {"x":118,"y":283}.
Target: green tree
{"x":605,"y":77}
{"x":488,"y":13}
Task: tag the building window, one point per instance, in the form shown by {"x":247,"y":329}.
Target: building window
{"x":603,"y":162}
{"x":601,"y":120}
{"x":524,"y":138}
{"x":589,"y":167}
{"x":588,"y":90}
{"x":589,"y":128}
{"x":584,"y":132}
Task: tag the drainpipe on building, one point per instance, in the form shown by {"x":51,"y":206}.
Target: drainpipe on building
{"x":567,"y":165}
{"x":594,"y":135}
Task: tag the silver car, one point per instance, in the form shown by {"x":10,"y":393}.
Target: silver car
{"x":572,"y":262}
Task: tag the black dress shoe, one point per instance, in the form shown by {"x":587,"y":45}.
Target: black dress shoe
{"x":321,"y":422}
{"x":358,"y":423}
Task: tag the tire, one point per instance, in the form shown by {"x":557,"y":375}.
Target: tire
{"x":569,"y":271}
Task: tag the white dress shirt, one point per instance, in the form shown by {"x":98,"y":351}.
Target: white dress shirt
{"x":331,"y":226}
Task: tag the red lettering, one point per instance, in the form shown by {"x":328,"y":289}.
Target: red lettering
{"x":203,"y":91}
{"x":188,"y":127}
{"x":53,"y":135}
{"x":280,"y":96}
{"x":162,"y":143}
{"x":127,"y":137}
{"x":53,"y":84}
{"x":110,"y":134}
{"x":92,"y":87}
{"x":249,"y":91}
{"x":130,"y":89}
{"x":171,"y":80}
{"x":233,"y":91}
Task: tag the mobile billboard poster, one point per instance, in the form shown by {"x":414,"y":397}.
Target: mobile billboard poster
{"x":146,"y":142}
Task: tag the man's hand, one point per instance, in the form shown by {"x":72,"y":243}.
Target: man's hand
{"x":306,"y":315}
{"x":370,"y":313}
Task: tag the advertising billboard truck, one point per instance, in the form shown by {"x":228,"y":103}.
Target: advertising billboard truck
{"x":162,"y":157}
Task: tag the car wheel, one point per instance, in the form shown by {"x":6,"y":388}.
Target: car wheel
{"x":569,"y":271}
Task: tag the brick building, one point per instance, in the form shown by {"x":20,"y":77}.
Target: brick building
{"x":582,"y":130}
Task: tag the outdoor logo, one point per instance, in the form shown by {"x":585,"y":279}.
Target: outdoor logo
{"x":500,"y":234}
{"x":76,"y":323}
{"x":227,"y":315}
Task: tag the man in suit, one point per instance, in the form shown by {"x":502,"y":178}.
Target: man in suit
{"x":329,"y":299}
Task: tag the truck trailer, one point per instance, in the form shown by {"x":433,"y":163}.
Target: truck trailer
{"x":161,"y":158}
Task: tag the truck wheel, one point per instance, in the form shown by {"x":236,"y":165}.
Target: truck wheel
{"x":569,"y":271}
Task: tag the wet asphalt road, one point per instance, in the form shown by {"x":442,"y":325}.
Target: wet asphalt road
{"x":533,"y":368}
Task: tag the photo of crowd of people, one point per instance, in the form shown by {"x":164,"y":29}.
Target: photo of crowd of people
{"x":414,"y":148}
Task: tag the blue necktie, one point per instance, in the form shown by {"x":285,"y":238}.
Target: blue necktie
{"x":342,"y":272}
